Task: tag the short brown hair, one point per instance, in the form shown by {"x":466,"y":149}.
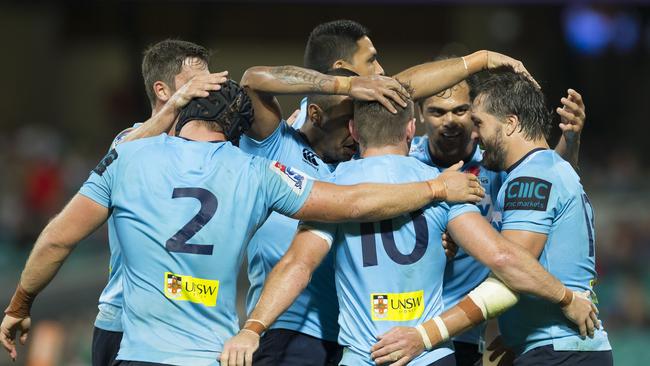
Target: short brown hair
{"x":377,"y":126}
{"x":164,"y":60}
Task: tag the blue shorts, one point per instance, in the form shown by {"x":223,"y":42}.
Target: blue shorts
{"x":283,"y":347}
{"x":546,"y":356}
{"x":105,"y":346}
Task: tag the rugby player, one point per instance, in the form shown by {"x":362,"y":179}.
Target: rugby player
{"x":447,"y":120}
{"x":184,"y":209}
{"x":174,"y":72}
{"x":400,"y":281}
{"x":346,"y":44}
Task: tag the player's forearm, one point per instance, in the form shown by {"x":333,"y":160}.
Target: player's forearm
{"x":287,"y":280}
{"x":278,"y":80}
{"x":160,"y":122}
{"x":432,"y":77}
{"x":368,"y":202}
{"x":569,"y":150}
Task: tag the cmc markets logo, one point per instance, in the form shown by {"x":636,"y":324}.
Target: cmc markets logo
{"x":309,"y":157}
{"x":187,"y":288}
{"x":527,"y":193}
{"x":398,"y":307}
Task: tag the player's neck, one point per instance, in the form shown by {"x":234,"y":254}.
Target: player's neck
{"x":400,"y":149}
{"x":198,"y":132}
{"x":518,"y":149}
{"x":314,"y":137}
{"x":447,"y":159}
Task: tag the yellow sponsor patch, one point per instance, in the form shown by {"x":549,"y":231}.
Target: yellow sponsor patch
{"x":188,"y":288}
{"x":397,"y":307}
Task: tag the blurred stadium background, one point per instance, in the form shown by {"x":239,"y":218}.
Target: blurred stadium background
{"x":72,"y":81}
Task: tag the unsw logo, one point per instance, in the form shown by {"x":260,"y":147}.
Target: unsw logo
{"x":309,"y":157}
{"x":188,"y":288}
{"x":294,"y":177}
{"x":397,"y":307}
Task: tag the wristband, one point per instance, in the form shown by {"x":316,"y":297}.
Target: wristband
{"x":21,"y":303}
{"x":255,"y":325}
{"x":465,"y":64}
{"x":250,"y":331}
{"x":425,"y":337}
{"x":567,"y":299}
{"x":442,"y":328}
{"x":439,"y":193}
{"x":342,"y":85}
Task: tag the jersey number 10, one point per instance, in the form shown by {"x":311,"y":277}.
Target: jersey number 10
{"x":369,"y":246}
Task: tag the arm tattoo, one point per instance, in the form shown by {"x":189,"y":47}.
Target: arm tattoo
{"x":292,"y":75}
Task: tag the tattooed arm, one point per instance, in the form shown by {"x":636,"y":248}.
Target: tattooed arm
{"x":263,"y":83}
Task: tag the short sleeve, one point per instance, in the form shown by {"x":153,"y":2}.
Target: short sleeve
{"x":99,"y":185}
{"x":286,"y":189}
{"x":458,"y":209}
{"x":270,"y":146}
{"x":528,"y":204}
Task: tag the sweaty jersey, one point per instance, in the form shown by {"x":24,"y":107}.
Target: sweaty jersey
{"x":464,"y":272}
{"x":388,"y":273}
{"x":542,"y":194}
{"x":183,"y":213}
{"x":109,"y":316}
{"x":315,"y":311}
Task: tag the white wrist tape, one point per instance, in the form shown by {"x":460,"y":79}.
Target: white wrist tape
{"x":425,"y":337}
{"x":493,"y":297}
{"x":442,"y":328}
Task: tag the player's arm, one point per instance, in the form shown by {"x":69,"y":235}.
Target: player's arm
{"x":161,"y":122}
{"x":373,"y":202}
{"x":80,"y":217}
{"x":432,"y":77}
{"x":287,"y":280}
{"x":518,"y":270}
{"x":263,"y":83}
{"x":572,"y":121}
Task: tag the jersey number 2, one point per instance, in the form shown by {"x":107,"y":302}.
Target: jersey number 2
{"x":178,"y":242}
{"x":369,"y":247}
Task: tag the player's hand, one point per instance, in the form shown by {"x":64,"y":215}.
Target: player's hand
{"x":495,"y":59}
{"x":379,"y":88}
{"x":572,"y":116}
{"x":293,"y":117}
{"x":582,"y":312}
{"x":449,"y":245}
{"x":397,"y":347}
{"x":459,"y":186}
{"x":497,"y":349}
{"x":8,"y":329}
{"x":238,"y":350}
{"x":198,"y":87}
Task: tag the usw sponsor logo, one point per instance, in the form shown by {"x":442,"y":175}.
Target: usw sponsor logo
{"x":188,"y":288}
{"x":397,"y":307}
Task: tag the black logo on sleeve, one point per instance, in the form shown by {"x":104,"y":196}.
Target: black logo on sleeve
{"x":527,"y":193}
{"x":106,"y":161}
{"x":309,"y":157}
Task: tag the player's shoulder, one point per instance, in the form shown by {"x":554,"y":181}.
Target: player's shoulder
{"x":119,"y":138}
{"x":420,"y":147}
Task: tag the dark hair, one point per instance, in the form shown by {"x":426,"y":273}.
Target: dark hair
{"x":332,"y":41}
{"x":325,"y":101}
{"x":164,"y":60}
{"x":377,"y":126}
{"x":506,"y":92}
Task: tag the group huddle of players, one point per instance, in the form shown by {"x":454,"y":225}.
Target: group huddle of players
{"x":342,"y":213}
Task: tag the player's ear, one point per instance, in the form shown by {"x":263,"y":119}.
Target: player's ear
{"x":315,"y":114}
{"x":353,"y":130}
{"x":511,"y":124}
{"x":162,"y":91}
{"x":340,"y":64}
{"x":410,"y":130}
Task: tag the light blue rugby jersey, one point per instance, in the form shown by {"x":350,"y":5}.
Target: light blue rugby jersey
{"x":315,"y":311}
{"x":542,"y":193}
{"x":109,"y":316}
{"x":388,"y":273}
{"x":183,"y":213}
{"x":302,"y":117}
{"x":464,"y":272}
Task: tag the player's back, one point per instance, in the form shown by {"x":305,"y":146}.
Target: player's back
{"x":543,"y":194}
{"x":388,"y":273}
{"x":183,"y":212}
